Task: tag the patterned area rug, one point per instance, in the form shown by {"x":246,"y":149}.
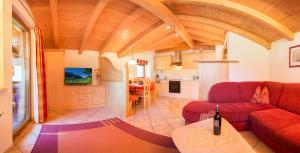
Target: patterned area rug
{"x":107,"y":136}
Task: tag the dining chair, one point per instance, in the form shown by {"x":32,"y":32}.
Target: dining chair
{"x":147,"y":94}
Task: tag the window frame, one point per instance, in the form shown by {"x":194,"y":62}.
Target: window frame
{"x":144,"y":71}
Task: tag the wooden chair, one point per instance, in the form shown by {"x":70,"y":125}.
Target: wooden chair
{"x":147,"y":94}
{"x":153,"y":91}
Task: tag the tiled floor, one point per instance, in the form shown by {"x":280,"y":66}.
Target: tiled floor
{"x":161,"y":117}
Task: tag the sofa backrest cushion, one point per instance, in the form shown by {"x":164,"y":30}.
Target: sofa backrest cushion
{"x":247,"y":89}
{"x":224,"y":92}
{"x":290,"y":98}
{"x":275,"y":91}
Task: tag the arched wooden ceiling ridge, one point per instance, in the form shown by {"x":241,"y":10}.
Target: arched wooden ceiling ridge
{"x":243,"y":9}
{"x":228,"y":27}
{"x":120,"y":25}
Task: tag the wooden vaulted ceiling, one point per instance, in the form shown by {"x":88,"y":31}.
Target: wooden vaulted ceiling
{"x":124,"y":25}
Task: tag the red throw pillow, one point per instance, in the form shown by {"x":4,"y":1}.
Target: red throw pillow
{"x":256,"y":96}
{"x":261,"y":96}
{"x":264,"y":96}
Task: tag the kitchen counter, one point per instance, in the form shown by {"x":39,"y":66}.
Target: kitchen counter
{"x":188,"y":89}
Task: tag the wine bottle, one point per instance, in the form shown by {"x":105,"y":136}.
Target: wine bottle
{"x":217,"y":121}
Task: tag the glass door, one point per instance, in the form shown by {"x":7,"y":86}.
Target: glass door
{"x":21,"y":71}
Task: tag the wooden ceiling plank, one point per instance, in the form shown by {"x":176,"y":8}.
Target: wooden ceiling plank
{"x":184,"y":46}
{"x":206,"y":40}
{"x":135,"y":14}
{"x":234,"y":6}
{"x":136,"y":39}
{"x":91,"y":23}
{"x":180,"y":46}
{"x":206,"y":34}
{"x":165,"y":38}
{"x":228,"y":27}
{"x":164,"y":13}
{"x":169,"y":44}
{"x":54,"y":17}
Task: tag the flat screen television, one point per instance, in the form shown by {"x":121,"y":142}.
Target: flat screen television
{"x":78,"y":75}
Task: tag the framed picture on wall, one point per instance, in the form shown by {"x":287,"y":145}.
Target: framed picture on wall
{"x":294,"y":56}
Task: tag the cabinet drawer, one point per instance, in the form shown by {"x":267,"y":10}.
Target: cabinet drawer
{"x":85,"y":102}
{"x":85,"y":96}
{"x":85,"y":90}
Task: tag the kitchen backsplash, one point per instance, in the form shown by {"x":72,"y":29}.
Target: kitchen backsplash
{"x":183,"y":74}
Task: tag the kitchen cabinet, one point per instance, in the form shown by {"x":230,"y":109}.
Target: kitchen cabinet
{"x":188,"y":61}
{"x":194,"y":90}
{"x":185,"y":89}
{"x":188,"y":89}
{"x":162,"y":62}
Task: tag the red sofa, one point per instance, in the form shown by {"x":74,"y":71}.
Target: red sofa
{"x":277,"y":124}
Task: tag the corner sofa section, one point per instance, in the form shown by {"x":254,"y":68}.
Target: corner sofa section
{"x":277,"y":124}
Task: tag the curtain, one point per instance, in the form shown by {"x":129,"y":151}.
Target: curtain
{"x":39,"y":89}
{"x":141,"y":62}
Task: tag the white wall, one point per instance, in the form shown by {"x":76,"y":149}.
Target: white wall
{"x":253,"y":59}
{"x":279,"y":61}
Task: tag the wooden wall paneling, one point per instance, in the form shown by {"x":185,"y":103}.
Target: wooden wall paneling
{"x":54,"y":63}
{"x":135,"y":40}
{"x":164,"y":13}
{"x":228,"y":27}
{"x":248,"y":11}
{"x":92,"y":21}
{"x":54,"y":17}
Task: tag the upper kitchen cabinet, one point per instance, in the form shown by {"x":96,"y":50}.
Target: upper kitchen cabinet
{"x":162,"y":62}
{"x":188,"y":61}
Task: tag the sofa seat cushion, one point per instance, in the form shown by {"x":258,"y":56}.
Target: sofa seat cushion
{"x":232,"y":112}
{"x":239,"y":111}
{"x":192,"y":111}
{"x":290,"y":137}
{"x":278,"y":124}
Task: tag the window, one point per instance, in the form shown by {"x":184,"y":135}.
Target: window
{"x":140,"y":71}
{"x":21,"y":73}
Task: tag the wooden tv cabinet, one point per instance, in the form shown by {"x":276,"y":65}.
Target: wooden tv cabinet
{"x":83,"y":96}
